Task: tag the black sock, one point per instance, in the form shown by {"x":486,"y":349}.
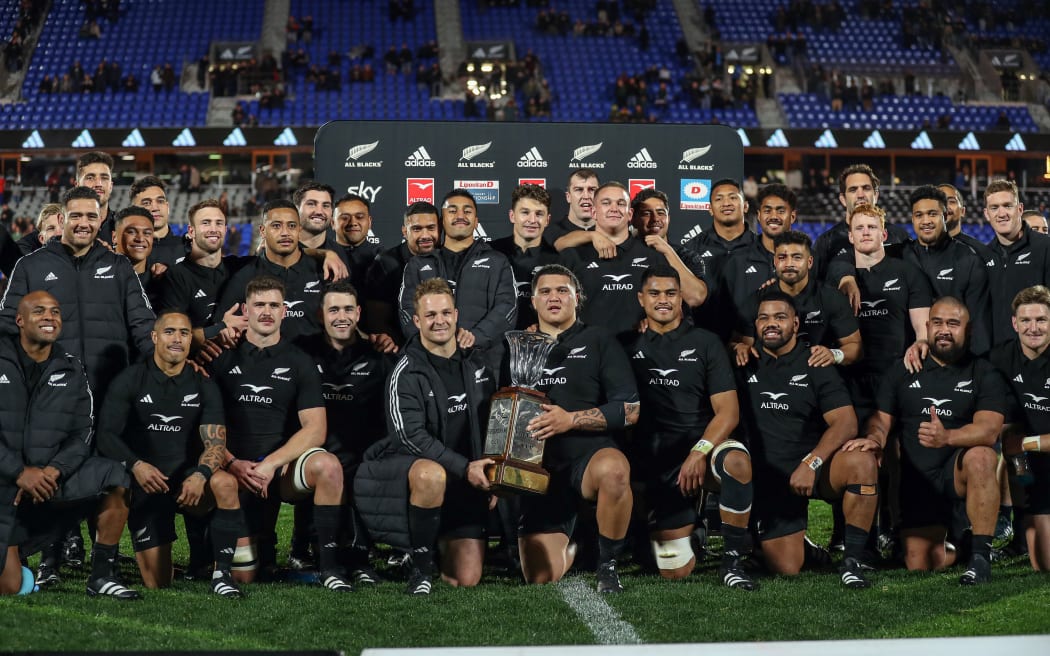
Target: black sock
{"x":854,"y":540}
{"x":737,"y":540}
{"x":1005,"y":511}
{"x":423,"y":527}
{"x":303,"y":528}
{"x":326,"y":521}
{"x":197,"y":539}
{"x":103,"y":560}
{"x":51,"y":556}
{"x":609,"y":549}
{"x":982,"y":546}
{"x":226,"y":527}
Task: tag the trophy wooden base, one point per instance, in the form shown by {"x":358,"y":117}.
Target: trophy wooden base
{"x":509,"y":476}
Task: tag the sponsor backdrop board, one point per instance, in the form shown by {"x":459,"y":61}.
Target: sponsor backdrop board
{"x":394,"y":164}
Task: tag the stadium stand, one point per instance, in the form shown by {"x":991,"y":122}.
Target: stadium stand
{"x":809,"y":110}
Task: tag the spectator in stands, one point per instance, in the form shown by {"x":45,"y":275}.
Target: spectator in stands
{"x":47,"y":85}
{"x":168,"y":76}
{"x":156,"y":79}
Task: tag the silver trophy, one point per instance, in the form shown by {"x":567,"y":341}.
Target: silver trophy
{"x":518,"y":455}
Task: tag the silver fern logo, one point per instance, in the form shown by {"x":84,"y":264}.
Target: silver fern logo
{"x":583,"y":152}
{"x":466,"y":160}
{"x":354,"y":155}
{"x":690,"y":154}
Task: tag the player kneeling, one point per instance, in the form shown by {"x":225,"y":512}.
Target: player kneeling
{"x":151,"y":413}
{"x":687,"y":389}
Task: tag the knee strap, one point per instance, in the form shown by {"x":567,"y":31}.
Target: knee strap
{"x":863,"y":489}
{"x":735,"y":496}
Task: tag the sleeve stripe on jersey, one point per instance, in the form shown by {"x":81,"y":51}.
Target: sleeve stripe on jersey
{"x":3,"y":301}
{"x":395,"y":407}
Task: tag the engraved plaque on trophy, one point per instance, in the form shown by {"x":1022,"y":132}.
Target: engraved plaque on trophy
{"x":518,"y":455}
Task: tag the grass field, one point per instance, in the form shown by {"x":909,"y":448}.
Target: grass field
{"x":501,"y":611}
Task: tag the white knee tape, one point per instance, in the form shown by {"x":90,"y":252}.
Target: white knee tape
{"x":672,"y":554}
{"x":728,"y":444}
{"x":245,"y":557}
{"x":299,"y":471}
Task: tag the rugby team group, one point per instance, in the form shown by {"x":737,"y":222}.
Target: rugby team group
{"x":144,"y":375}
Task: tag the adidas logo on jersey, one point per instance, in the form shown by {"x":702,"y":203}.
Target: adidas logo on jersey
{"x":751,"y":269}
{"x":426,"y":267}
{"x":753,"y":379}
{"x":693,"y":232}
{"x":146,"y":399}
{"x":637,"y":356}
{"x":50,"y":276}
{"x":3,"y":379}
{"x":200,"y":294}
{"x":915,"y":385}
{"x":1018,"y":379}
{"x":592,"y":265}
{"x":235,"y":370}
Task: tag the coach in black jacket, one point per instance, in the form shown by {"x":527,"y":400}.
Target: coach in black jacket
{"x":437,"y":406}
{"x":103,"y":304}
{"x":46,"y":471}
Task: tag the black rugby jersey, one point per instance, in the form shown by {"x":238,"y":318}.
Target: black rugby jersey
{"x":525,"y":263}
{"x":677,"y":372}
{"x":303,"y":282}
{"x":610,"y":287}
{"x":783,"y":402}
{"x":148,"y":415}
{"x":353,"y":382}
{"x":263,"y":391}
{"x":824,"y":315}
{"x":956,"y":391}
{"x":1030,"y":382}
{"x":586,"y":369}
{"x":888,"y":291}
{"x":952,"y":269}
{"x":745,"y":272}
{"x":717,"y":314}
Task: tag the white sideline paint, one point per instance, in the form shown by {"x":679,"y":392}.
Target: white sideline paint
{"x":984,"y":646}
{"x":600,"y":618}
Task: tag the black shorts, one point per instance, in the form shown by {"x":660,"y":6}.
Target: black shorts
{"x":555,"y":512}
{"x":666,"y":507}
{"x":1038,"y":493}
{"x":151,"y":517}
{"x":928,"y":497}
{"x":777,"y":510}
{"x":465,"y":512}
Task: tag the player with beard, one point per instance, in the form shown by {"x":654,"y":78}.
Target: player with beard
{"x":687,"y":390}
{"x":651,"y":221}
{"x":798,"y":417}
{"x":1025,"y":362}
{"x":525,"y":247}
{"x":148,"y":422}
{"x":169,"y":249}
{"x":593,"y":397}
{"x":858,"y":185}
{"x":827,"y":326}
{"x":313,"y":202}
{"x":745,"y":273}
{"x":277,"y":424}
{"x":353,"y":376}
{"x":353,"y":220}
{"x":955,"y":211}
{"x":950,"y":415}
{"x":422,"y":232}
{"x":95,"y":171}
{"x":481,"y":278}
{"x":425,"y":483}
{"x":951,"y":268}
